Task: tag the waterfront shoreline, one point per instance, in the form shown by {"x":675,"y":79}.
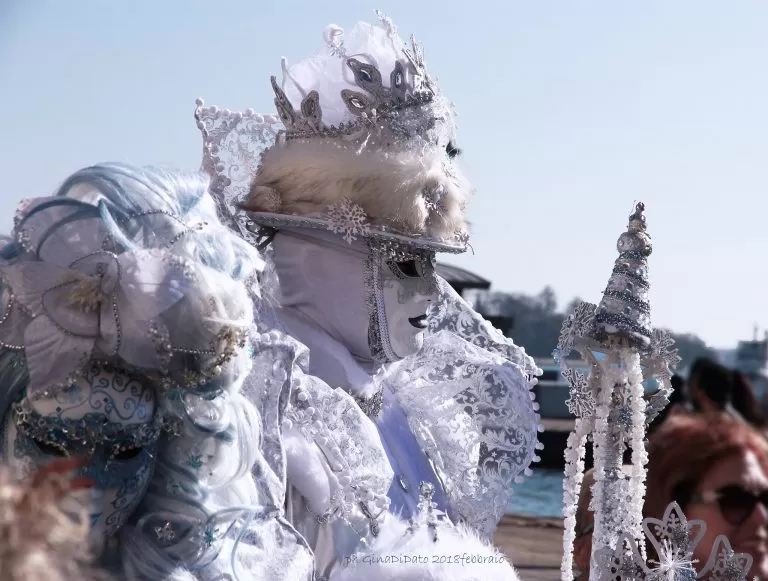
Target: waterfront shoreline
{"x":534,"y":545}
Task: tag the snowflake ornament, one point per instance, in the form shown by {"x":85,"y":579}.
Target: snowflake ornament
{"x":165,"y":533}
{"x":348,"y":220}
{"x":662,"y":356}
{"x":622,"y":563}
{"x":674,"y":530}
{"x":663,"y":347}
{"x":658,"y":362}
{"x":672,"y":565}
{"x":576,"y":325}
{"x":724,"y":564}
{"x":581,"y":402}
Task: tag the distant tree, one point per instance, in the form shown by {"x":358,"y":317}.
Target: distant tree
{"x":690,"y":347}
{"x":548,"y":300}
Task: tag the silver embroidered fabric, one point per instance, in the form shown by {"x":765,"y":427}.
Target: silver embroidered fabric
{"x":327,"y":418}
{"x":232,"y":146}
{"x":472,"y":412}
{"x":469,"y":401}
{"x":452,"y":313}
{"x":284,"y":555}
{"x":331,"y":420}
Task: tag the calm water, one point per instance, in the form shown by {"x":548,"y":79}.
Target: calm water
{"x":540,"y":494}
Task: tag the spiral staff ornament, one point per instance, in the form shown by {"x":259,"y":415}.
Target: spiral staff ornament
{"x":623,"y":353}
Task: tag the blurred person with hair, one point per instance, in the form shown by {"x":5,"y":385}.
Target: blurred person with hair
{"x":39,"y":539}
{"x":744,"y":401}
{"x":710,"y":386}
{"x":716,"y":468}
{"x":585,"y":526}
{"x":716,"y":388}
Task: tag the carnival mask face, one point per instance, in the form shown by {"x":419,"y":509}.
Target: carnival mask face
{"x":408,"y":287}
{"x":107,"y":416}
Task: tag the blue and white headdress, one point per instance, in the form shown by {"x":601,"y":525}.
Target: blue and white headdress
{"x":107,"y":320}
{"x":89,"y":285}
{"x":131,"y":269}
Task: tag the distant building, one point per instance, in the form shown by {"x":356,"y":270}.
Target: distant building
{"x":461,"y":279}
{"x":751,"y":358}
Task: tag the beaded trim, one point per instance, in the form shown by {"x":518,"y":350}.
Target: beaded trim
{"x":386,"y":237}
{"x":83,"y":436}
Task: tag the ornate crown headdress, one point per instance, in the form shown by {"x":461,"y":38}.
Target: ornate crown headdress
{"x":369,"y":103}
{"x":370,"y":98}
{"x":623,"y":351}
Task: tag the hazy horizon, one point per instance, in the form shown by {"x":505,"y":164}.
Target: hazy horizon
{"x":569,"y":114}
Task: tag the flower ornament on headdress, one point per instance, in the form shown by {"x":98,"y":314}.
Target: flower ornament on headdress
{"x":79,"y":293}
{"x":364,"y":108}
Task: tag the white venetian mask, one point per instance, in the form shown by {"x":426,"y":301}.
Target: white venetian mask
{"x":407,"y":289}
{"x":107,"y":416}
{"x":372,"y":299}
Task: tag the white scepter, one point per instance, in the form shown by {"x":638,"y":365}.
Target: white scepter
{"x":622,"y":350}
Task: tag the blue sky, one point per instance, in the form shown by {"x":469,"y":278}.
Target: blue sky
{"x":569,"y":112}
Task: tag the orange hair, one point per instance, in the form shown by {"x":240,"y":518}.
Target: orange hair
{"x":685,"y":447}
{"x":37,"y":539}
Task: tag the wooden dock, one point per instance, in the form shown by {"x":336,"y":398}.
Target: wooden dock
{"x":564,"y":425}
{"x":534,"y":545}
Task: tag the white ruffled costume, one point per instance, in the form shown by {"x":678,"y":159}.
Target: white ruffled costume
{"x":354,"y":188}
{"x":457,"y":414}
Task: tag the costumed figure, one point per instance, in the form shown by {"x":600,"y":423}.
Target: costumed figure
{"x":353,"y":189}
{"x":127,"y":338}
